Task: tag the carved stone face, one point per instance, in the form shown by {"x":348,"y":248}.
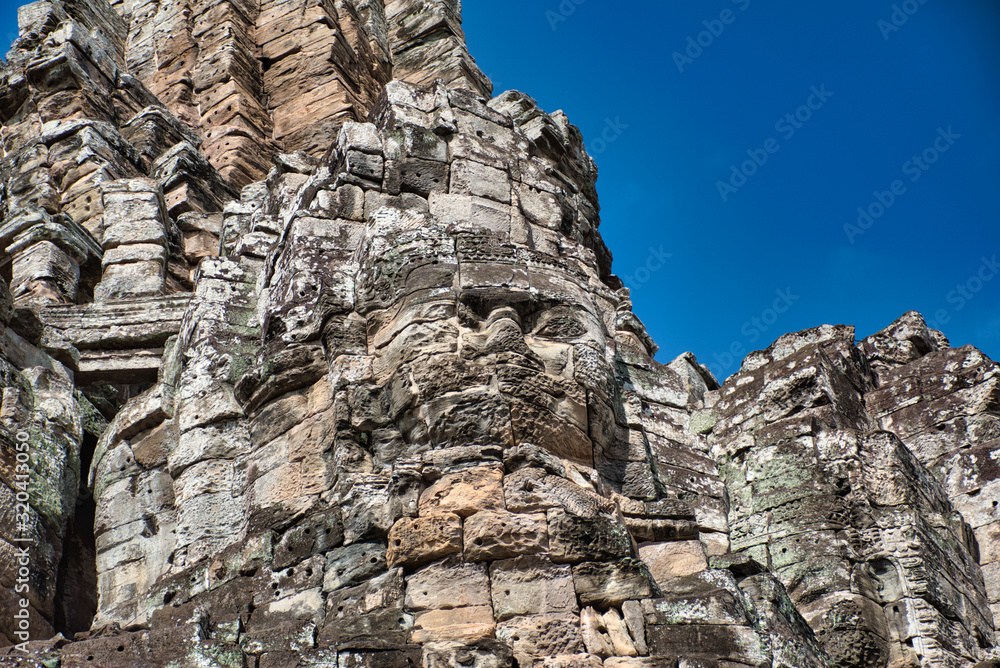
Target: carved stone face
{"x":478,"y":342}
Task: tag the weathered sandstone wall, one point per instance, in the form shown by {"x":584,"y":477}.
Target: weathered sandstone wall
{"x":312,"y":355}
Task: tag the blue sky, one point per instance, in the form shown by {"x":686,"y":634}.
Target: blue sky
{"x":8,"y":23}
{"x":768,"y":253}
{"x":727,"y":216}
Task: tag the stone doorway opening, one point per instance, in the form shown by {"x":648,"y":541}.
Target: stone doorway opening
{"x":76,"y":584}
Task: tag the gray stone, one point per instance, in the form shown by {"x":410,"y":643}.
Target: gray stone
{"x":612,"y":583}
{"x":447,"y":584}
{"x":410,"y":418}
{"x":353,"y":564}
{"x":530,"y":586}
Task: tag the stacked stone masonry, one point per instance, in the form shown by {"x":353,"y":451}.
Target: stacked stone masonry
{"x":312,"y":355}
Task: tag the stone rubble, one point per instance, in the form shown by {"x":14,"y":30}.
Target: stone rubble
{"x":321,"y":362}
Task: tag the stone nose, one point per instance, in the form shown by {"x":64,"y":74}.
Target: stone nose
{"x":505,"y":339}
{"x":504,"y":313}
{"x":504,"y":335}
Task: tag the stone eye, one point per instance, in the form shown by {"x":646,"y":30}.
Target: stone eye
{"x":561,"y":327}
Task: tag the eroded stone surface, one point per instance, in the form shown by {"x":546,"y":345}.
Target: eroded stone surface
{"x":319,"y":361}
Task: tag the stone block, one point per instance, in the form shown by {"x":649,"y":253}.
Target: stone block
{"x":314,"y":535}
{"x":478,"y":180}
{"x":131,"y":280}
{"x":135,"y":231}
{"x":416,"y":541}
{"x":362,"y":137}
{"x":122,"y":207}
{"x":368,"y":616}
{"x":468,"y":212}
{"x":135,"y":253}
{"x":218,"y":441}
{"x":703,"y":605}
{"x":364,"y":166}
{"x":739,"y":645}
{"x":469,"y":624}
{"x":347,"y":201}
{"x":542,"y":635}
{"x":574,"y":538}
{"x":531,"y":586}
{"x":595,"y":635}
{"x":464,"y":492}
{"x":480,"y":654}
{"x":353,"y":564}
{"x":448,"y":584}
{"x":673,"y":559}
{"x":496,"y":534}
{"x":612,"y":583}
{"x":421,"y":143}
{"x":44,"y":272}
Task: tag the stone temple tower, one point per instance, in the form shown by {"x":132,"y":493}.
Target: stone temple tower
{"x":312,"y":356}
